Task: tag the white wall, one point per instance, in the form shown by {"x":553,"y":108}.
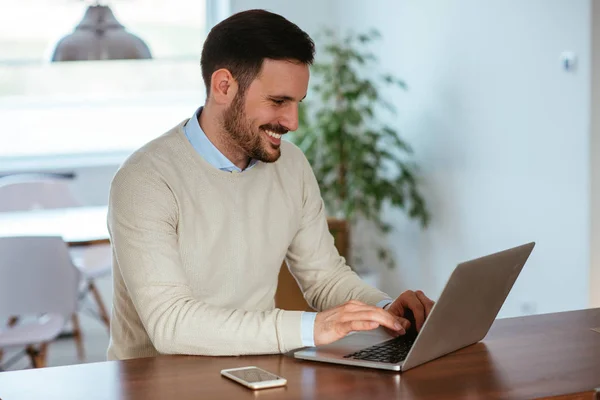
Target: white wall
{"x":500,"y":131}
{"x":309,"y":15}
{"x":595,"y":160}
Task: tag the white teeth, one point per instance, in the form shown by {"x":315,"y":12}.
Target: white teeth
{"x":273,"y":134}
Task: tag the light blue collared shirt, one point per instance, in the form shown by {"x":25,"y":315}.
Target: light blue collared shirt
{"x":213,"y":156}
{"x":206,"y":149}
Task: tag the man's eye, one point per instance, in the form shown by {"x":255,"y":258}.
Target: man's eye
{"x":278,"y":102}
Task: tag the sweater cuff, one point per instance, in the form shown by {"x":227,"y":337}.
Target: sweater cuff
{"x":289,"y":328}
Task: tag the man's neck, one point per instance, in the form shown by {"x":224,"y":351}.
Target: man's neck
{"x":213,"y":130}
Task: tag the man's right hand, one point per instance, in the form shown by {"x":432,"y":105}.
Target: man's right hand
{"x":335,"y":323}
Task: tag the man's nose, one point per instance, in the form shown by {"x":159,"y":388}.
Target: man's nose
{"x":290,"y":118}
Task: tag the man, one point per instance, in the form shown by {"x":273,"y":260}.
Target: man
{"x":201,"y":218}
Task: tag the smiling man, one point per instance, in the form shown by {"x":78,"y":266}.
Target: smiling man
{"x":201,"y":217}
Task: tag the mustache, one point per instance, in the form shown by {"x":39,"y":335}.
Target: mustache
{"x":275,"y":128}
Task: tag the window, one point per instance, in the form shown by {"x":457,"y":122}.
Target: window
{"x":84,"y":108}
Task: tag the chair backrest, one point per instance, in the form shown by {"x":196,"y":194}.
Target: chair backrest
{"x":288,"y":295}
{"x":20,"y":192}
{"x":36,"y":276}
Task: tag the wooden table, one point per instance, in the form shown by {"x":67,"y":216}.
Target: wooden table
{"x":522,"y":358}
{"x":79,"y":226}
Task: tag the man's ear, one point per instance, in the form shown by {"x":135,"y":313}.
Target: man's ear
{"x":223,"y":87}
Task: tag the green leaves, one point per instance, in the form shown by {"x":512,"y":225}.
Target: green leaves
{"x":360,"y":163}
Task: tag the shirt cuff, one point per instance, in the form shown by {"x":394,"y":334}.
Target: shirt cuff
{"x":384,"y":303}
{"x":307,"y":326}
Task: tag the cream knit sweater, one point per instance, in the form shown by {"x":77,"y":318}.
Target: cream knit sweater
{"x":197,"y":253}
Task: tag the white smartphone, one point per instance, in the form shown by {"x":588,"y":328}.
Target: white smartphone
{"x":254,"y":377}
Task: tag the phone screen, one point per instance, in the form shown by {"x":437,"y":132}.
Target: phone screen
{"x":253,"y":375}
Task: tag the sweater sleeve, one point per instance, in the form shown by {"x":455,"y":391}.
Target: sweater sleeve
{"x":142,"y":222}
{"x":313,"y":259}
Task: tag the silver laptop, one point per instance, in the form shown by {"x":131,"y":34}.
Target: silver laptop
{"x":462,"y":316}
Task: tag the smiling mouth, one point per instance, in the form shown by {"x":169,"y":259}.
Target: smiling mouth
{"x":273,"y":134}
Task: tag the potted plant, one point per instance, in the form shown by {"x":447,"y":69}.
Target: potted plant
{"x":361,"y":164}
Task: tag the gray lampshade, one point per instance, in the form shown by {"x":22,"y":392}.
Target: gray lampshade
{"x":99,"y":36}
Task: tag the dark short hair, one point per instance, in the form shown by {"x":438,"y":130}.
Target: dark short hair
{"x":243,"y":41}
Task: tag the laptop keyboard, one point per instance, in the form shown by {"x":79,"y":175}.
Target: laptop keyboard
{"x":392,"y":351}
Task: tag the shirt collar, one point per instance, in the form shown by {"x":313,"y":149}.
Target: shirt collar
{"x":207,"y":149}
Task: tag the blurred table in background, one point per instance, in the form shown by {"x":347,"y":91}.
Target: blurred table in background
{"x":78,"y":226}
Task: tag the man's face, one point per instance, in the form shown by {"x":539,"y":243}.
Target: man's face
{"x":269,"y":108}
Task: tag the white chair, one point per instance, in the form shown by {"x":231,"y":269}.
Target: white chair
{"x":37,"y":278}
{"x":20,"y":192}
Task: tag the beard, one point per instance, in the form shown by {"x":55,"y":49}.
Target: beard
{"x":253,"y":143}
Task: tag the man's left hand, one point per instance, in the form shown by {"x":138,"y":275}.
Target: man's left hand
{"x":417,"y":302}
